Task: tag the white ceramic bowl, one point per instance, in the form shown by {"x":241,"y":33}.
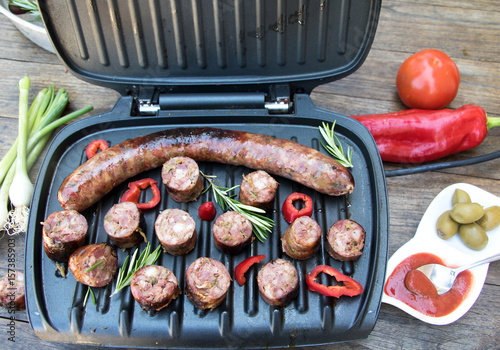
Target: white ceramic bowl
{"x":34,"y":31}
{"x":453,"y":251}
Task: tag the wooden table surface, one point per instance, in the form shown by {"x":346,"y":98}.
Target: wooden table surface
{"x":469,"y":31}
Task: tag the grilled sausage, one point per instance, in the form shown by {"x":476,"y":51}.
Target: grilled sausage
{"x":94,"y":265}
{"x":278,"y":282}
{"x":154,"y":287}
{"x":101,"y":173}
{"x":232,"y":232}
{"x":176,"y":231}
{"x":182,"y":178}
{"x":207,"y":283}
{"x":121,"y":223}
{"x":63,"y":232}
{"x":301,"y":238}
{"x":12,"y":291}
{"x":258,"y":189}
{"x":346,"y":239}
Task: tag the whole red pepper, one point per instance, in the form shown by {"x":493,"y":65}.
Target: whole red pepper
{"x":348,"y":287}
{"x":92,"y":148}
{"x":134,"y":192}
{"x":242,"y":268}
{"x":290,"y":213}
{"x":417,"y":135}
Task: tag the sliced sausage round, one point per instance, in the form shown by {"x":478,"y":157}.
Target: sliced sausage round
{"x":182,"y":178}
{"x":121,"y":223}
{"x":12,"y":291}
{"x":258,"y":189}
{"x":278,"y":282}
{"x":207,"y":283}
{"x":154,"y":287}
{"x":346,"y":239}
{"x":176,"y":231}
{"x":63,"y":232}
{"x":232,"y":232}
{"x":94,"y":265}
{"x":301,"y":238}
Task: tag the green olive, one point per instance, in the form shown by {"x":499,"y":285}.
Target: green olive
{"x":490,"y":219}
{"x":466,"y":213}
{"x":446,"y":227}
{"x":460,"y":196}
{"x":473,"y":236}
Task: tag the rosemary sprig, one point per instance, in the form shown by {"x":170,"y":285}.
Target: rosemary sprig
{"x":91,"y":293}
{"x":260,"y":223}
{"x":94,"y":266}
{"x":127,"y":270}
{"x":334,"y":147}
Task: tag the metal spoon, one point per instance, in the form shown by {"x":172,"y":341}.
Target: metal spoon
{"x":443,"y":277}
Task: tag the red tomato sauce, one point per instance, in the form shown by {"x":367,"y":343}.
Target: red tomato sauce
{"x":416,"y":290}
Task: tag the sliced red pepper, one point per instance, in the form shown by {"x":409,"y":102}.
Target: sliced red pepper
{"x":134,"y":192}
{"x":95,"y":145}
{"x":242,"y":268}
{"x":348,"y":286}
{"x":290,"y":212}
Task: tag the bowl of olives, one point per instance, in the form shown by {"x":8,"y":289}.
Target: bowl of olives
{"x":469,"y":219}
{"x":460,"y":226}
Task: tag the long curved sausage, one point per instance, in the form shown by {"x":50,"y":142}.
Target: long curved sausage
{"x":101,"y":173}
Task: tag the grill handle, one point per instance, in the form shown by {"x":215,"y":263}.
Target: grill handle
{"x":234,"y":100}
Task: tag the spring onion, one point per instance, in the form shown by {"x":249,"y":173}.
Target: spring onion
{"x":261,"y":224}
{"x":36,"y":125}
{"x":21,"y":188}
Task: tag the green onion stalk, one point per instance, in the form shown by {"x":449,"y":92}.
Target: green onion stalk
{"x":36,"y":125}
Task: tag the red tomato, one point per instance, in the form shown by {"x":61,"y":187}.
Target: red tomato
{"x":428,"y":79}
{"x":207,"y":211}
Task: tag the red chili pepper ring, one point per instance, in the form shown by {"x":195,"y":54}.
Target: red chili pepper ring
{"x":348,"y":286}
{"x":242,"y":267}
{"x":95,"y":145}
{"x":134,"y":192}
{"x":290,"y":212}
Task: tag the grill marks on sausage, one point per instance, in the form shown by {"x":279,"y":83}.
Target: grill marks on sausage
{"x":94,"y":265}
{"x":207,"y":283}
{"x":63,"y":232}
{"x":154,"y":287}
{"x":232,"y":232}
{"x":121,"y":223}
{"x":346,"y":239}
{"x":176,"y":231}
{"x":278,"y":282}
{"x":301,"y":238}
{"x":101,"y":173}
{"x":258,"y":189}
{"x":181,"y":176}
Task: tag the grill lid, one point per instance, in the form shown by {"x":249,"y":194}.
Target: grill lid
{"x":227,"y":45}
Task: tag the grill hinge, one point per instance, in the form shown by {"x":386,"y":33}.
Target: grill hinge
{"x":279,"y":106}
{"x":146,"y":107}
{"x":279,"y":101}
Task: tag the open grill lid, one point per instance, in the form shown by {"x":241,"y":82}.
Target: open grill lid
{"x":211,"y":46}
